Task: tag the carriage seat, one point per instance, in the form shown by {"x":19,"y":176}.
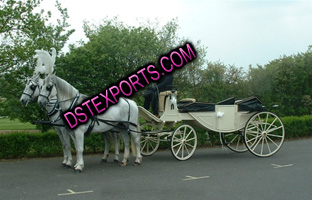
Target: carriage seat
{"x":190,"y":105}
{"x":162,"y":99}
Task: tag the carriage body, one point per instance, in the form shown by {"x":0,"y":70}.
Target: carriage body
{"x":243,"y":125}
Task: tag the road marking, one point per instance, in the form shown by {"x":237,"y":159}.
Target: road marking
{"x":72,"y":192}
{"x":191,"y":178}
{"x":280,"y":166}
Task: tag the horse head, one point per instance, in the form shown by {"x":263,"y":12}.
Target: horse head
{"x":48,"y":91}
{"x":32,"y":89}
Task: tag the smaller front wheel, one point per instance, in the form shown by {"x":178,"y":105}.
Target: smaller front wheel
{"x":183,"y":142}
{"x":149,"y":142}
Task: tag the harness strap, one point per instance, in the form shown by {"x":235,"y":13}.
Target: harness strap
{"x":75,"y":101}
{"x":30,"y":95}
{"x":55,"y":109}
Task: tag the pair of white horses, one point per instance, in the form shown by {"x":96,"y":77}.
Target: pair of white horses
{"x":56,"y":95}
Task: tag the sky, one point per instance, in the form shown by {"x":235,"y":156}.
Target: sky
{"x":235,"y":32}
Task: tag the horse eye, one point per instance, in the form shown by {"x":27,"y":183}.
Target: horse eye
{"x":33,"y":87}
{"x":49,"y":87}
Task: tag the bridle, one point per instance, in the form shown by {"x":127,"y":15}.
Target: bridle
{"x":49,"y":88}
{"x":33,"y":88}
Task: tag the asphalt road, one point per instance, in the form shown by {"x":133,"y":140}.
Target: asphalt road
{"x":212,"y":173}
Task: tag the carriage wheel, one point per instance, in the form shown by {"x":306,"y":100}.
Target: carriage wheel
{"x":234,"y":141}
{"x":264,"y":134}
{"x":183,"y":142}
{"x":149,"y":142}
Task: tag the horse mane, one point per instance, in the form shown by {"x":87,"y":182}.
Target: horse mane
{"x":64,"y":89}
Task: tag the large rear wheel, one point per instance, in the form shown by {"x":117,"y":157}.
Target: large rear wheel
{"x":234,"y":141}
{"x":264,"y":134}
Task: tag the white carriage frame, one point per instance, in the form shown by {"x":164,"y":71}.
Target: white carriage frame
{"x":225,"y":119}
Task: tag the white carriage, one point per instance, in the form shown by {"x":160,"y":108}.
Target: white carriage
{"x":243,"y":125}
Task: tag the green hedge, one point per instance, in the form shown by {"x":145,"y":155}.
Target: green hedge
{"x":19,"y":145}
{"x":298,"y":126}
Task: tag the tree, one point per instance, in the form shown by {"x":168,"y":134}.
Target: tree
{"x":114,"y":50}
{"x":22,"y":30}
{"x":285,"y":81}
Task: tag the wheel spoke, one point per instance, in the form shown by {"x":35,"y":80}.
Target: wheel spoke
{"x":272,"y":123}
{"x":273,"y":142}
{"x":252,"y":127}
{"x":272,"y":135}
{"x":177,"y":152}
{"x":238,"y":141}
{"x":260,"y":122}
{"x":182,"y":150}
{"x":268,"y":145}
{"x":233,"y":139}
{"x":177,"y":144}
{"x":189,"y":145}
{"x":256,"y":144}
{"x":151,"y":145}
{"x":266,"y":121}
{"x":255,"y":138}
{"x":188,"y":152}
{"x":188,"y":134}
{"x":262,"y":145}
{"x":144,"y":145}
{"x":190,"y":139}
{"x":274,"y":129}
{"x":252,"y":133}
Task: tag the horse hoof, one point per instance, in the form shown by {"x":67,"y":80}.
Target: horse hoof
{"x":77,"y":171}
{"x":123,"y":164}
{"x":136,"y":164}
{"x":104,"y":161}
{"x":116,"y":161}
{"x":63,"y":164}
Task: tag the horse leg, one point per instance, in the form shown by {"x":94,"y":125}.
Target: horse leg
{"x":116,"y":141}
{"x":73,"y":137}
{"x":136,"y":139}
{"x":107,"y":146}
{"x":125,"y":137}
{"x":63,"y":142}
{"x":79,"y":148}
{"x":69,"y":157}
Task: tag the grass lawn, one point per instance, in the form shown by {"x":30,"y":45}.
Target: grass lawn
{"x":7,"y":124}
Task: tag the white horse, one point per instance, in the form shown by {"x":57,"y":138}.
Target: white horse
{"x":31,"y":91}
{"x":125,"y":111}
